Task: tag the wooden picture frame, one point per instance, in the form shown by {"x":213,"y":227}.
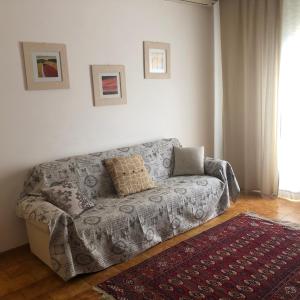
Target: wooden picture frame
{"x":109,"y":85}
{"x":157,"y":60}
{"x":46,"y":66}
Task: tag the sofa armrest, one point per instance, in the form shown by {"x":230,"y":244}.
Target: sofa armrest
{"x":222,"y":170}
{"x":36,"y":208}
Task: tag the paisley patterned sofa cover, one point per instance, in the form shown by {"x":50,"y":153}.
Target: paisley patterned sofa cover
{"x":116,"y":229}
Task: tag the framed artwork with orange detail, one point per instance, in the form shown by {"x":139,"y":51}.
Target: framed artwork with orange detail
{"x":46,"y":66}
{"x":109,"y":84}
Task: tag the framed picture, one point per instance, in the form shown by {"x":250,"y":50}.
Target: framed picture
{"x":109,"y":84}
{"x":46,"y":66}
{"x":157,"y":60}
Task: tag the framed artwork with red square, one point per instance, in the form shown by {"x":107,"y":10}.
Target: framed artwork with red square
{"x":109,"y":84}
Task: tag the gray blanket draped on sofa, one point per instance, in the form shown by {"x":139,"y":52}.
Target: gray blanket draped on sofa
{"x":119,"y":228}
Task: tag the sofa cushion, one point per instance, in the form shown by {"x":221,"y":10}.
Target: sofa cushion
{"x":68,"y":197}
{"x":188,"y":161}
{"x":129,"y":174}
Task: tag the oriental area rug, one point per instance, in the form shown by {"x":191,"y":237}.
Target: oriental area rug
{"x":246,"y":257}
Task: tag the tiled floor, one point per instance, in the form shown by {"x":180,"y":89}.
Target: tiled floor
{"x":23,"y":276}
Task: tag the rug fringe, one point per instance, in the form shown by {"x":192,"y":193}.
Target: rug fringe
{"x":287,"y":224}
{"x":104,"y":296}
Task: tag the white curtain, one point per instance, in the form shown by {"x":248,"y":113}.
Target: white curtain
{"x":289,"y":102}
{"x":250,"y":38}
{"x":218,"y":86}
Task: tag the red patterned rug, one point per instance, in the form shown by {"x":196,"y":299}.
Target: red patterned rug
{"x":246,"y":257}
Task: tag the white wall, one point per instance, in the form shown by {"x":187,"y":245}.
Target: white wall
{"x":37,"y":126}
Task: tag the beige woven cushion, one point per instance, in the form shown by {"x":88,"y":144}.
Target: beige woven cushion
{"x":129,"y":174}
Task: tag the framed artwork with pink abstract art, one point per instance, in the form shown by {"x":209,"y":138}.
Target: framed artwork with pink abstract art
{"x":109,"y":84}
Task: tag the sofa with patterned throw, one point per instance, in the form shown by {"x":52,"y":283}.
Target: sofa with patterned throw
{"x":103,"y":229}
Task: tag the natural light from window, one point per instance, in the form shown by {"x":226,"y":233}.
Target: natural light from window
{"x":289,"y":103}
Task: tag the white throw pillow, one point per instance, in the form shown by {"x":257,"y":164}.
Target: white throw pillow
{"x":189,"y":161}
